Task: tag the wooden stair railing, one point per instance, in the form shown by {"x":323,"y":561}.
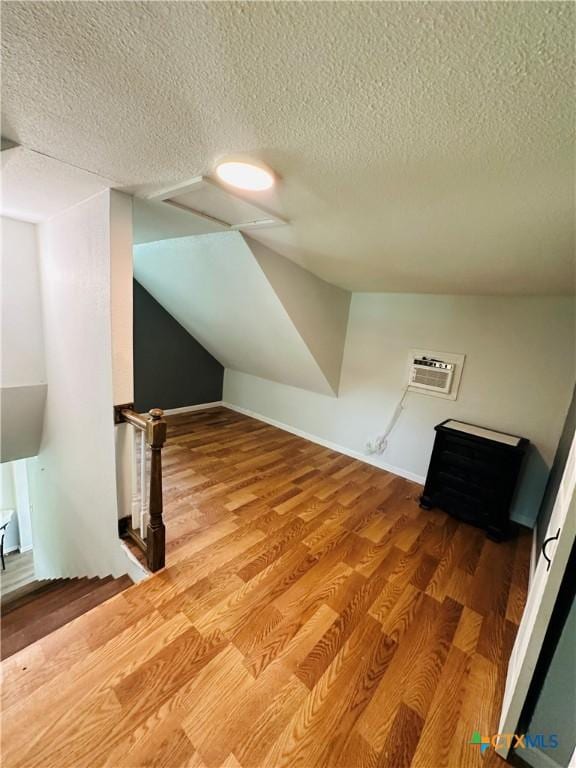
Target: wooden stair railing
{"x":153,"y":427}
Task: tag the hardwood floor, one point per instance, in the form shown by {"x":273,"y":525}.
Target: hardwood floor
{"x":310,"y":615}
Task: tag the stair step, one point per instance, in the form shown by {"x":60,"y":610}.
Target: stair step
{"x":55,"y":607}
{"x":20,"y":597}
{"x":43,"y":587}
{"x":60,"y":592}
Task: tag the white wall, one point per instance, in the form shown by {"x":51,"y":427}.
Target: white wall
{"x":518,"y":377}
{"x":121,"y":297}
{"x":8,"y":501}
{"x":20,"y":473}
{"x":318,"y":309}
{"x":14,"y":495}
{"x":74,"y":490}
{"x":22,"y":370}
{"x":122,"y":313}
{"x":22,"y":336}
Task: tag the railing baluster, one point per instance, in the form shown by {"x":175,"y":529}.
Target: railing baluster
{"x":156,"y":532}
{"x":148,"y":513}
{"x":136,"y":486}
{"x":143,"y":486}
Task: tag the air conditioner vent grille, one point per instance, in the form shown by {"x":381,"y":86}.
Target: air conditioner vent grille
{"x":431,"y":374}
{"x":436,"y":379}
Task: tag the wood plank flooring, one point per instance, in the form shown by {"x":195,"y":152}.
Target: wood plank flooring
{"x":311,"y":614}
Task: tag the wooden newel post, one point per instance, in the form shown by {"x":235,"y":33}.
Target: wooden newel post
{"x":156,"y":532}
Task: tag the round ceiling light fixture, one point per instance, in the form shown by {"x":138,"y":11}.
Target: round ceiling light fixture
{"x":243,"y":175}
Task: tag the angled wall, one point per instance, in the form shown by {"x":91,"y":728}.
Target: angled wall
{"x":171,"y":369}
{"x":214,"y":286}
{"x":74,"y":491}
{"x":318,"y":309}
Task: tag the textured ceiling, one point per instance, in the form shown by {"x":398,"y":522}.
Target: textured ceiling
{"x":422,"y":146}
{"x":36,"y":187}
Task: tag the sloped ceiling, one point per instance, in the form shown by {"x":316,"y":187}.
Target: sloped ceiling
{"x":155,"y":221}
{"x":36,"y":187}
{"x":318,"y":310}
{"x":423,"y":147}
{"x":217,"y":290}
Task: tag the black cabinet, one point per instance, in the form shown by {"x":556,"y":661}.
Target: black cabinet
{"x":473,"y":474}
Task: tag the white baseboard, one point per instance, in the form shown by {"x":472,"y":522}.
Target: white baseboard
{"x":328,"y":444}
{"x":191,"y":408}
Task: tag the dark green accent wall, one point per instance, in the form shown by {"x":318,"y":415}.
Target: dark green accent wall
{"x":556,"y":704}
{"x":171,"y":369}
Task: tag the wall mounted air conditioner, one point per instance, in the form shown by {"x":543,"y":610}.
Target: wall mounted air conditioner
{"x":429,"y":373}
{"x":435,"y":373}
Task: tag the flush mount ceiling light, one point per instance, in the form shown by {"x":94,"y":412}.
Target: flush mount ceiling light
{"x":242,"y":175}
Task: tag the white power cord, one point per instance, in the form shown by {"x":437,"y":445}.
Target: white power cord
{"x":380,"y":443}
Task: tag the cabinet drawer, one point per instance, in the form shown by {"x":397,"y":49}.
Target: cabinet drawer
{"x":476,"y":451}
{"x":478,"y":471}
{"x":462,"y":506}
{"x":483,"y":493}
